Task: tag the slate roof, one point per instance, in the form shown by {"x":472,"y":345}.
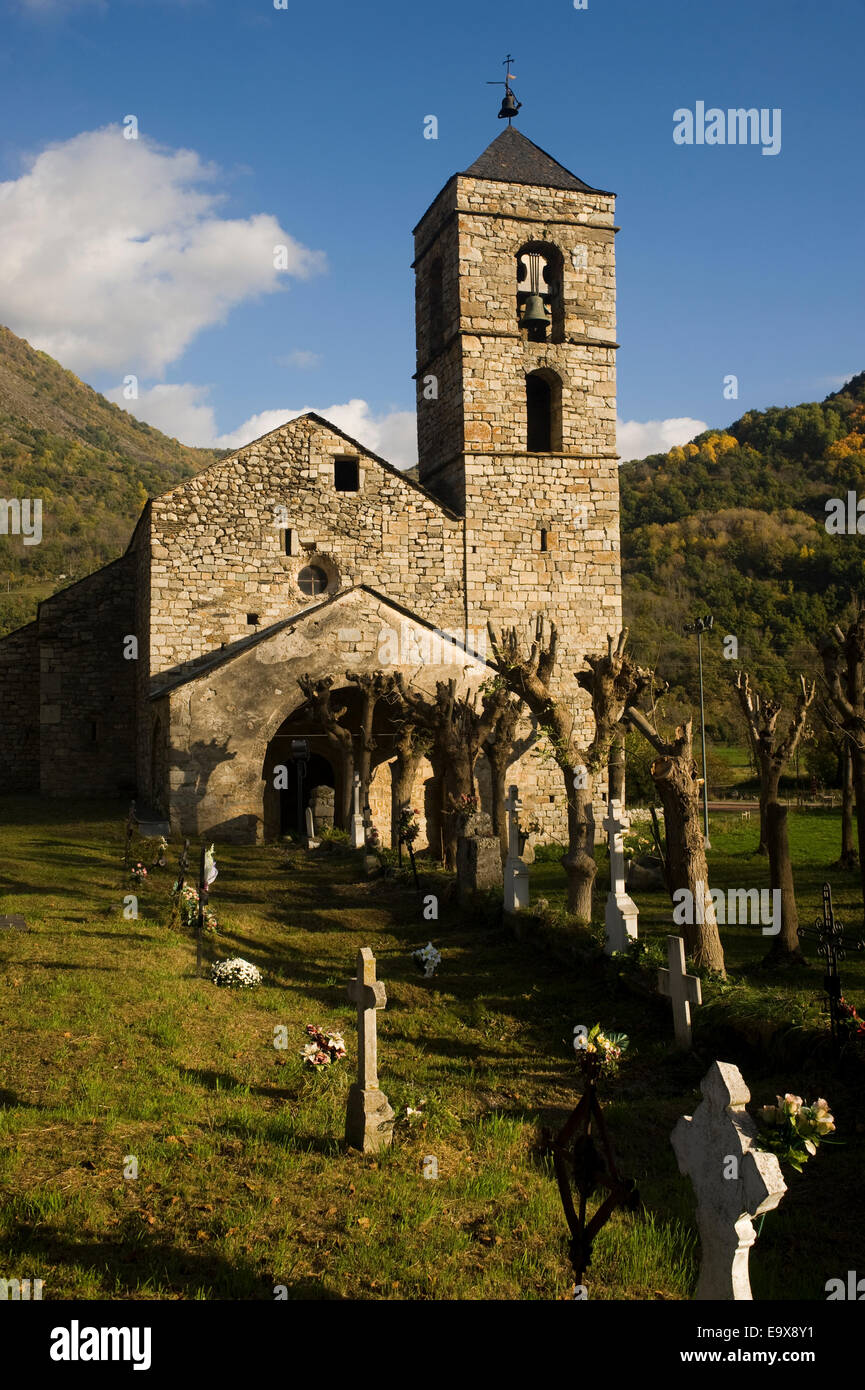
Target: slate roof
{"x":512,"y":158}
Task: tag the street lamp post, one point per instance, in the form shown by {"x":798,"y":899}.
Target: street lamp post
{"x":699,"y":626}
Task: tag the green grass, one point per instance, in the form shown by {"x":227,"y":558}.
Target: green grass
{"x":113,"y":1048}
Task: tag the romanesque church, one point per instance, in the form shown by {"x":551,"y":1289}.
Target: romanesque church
{"x":173,"y":672}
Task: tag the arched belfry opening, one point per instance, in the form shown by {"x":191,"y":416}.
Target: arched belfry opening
{"x":543,"y":412}
{"x":540,"y":301}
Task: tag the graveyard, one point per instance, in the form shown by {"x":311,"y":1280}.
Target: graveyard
{"x":116,"y":1050}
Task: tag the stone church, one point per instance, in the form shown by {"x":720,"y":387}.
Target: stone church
{"x":172,"y":673}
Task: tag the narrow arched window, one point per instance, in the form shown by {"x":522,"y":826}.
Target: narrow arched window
{"x":540,"y":304}
{"x":543,"y":412}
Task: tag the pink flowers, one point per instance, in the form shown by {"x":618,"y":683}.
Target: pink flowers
{"x":138,"y":872}
{"x":324,"y":1049}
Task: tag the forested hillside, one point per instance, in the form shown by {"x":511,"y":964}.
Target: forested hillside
{"x":733,"y":524}
{"x":92,"y":464}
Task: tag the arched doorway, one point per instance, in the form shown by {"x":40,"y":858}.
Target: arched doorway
{"x":294,"y":798}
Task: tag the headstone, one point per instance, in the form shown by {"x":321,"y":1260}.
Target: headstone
{"x":733,"y":1181}
{"x":479,"y":857}
{"x":368,"y":1117}
{"x":516,"y":873}
{"x":13,"y":922}
{"x":321,"y":803}
{"x":683,"y":989}
{"x":358,"y":829}
{"x":622,"y":913}
{"x":309,"y":839}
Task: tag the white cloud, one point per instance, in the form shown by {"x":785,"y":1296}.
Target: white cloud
{"x":637,"y":438}
{"x":393,"y":434}
{"x":112,"y":255}
{"x":183,"y":411}
{"x":300,"y":358}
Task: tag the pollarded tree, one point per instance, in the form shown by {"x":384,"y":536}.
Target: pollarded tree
{"x":679,"y":785}
{"x":372,"y":688}
{"x":772,"y":752}
{"x":612,"y":679}
{"x":844,"y":666}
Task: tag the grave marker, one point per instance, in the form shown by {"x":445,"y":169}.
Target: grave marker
{"x":358,"y":829}
{"x":368,"y":1116}
{"x":310,"y":839}
{"x":516,"y":872}
{"x":733,"y":1181}
{"x":682,"y":988}
{"x":13,"y":922}
{"x":622,"y":912}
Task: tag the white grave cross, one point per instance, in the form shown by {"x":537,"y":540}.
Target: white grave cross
{"x":369,"y":1118}
{"x":622,"y":912}
{"x":733,"y":1181}
{"x":358,"y":831}
{"x":516,"y":872}
{"x":683,"y":989}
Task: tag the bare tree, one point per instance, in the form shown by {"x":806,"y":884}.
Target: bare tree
{"x":611,"y":681}
{"x":372,"y":688}
{"x":678,"y":783}
{"x":772,"y":752}
{"x":339,"y":738}
{"x":501,"y":749}
{"x":843,"y":656}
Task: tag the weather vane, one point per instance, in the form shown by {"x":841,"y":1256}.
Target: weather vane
{"x":510,"y":105}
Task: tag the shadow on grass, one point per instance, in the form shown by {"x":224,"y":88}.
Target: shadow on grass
{"x":125,"y":1268}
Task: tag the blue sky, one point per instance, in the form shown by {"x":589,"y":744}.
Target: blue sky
{"x":304,"y":126}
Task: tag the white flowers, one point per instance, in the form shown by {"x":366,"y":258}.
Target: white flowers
{"x":236,"y":974}
{"x":325,"y":1048}
{"x":427,"y":959}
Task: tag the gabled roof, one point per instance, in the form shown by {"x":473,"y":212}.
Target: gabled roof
{"x":512,"y":158}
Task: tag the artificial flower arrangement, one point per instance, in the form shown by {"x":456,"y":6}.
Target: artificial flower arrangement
{"x":598,"y":1054}
{"x":792,"y":1130}
{"x":138,"y":872}
{"x":236,"y":974}
{"x":409,"y":826}
{"x":187,"y":901}
{"x":427,"y":959}
{"x":324,"y":1049}
{"x":850,"y":1021}
{"x":464,"y":807}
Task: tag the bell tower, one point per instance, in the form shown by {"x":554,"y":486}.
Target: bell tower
{"x":516,"y":395}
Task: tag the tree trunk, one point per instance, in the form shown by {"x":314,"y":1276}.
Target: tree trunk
{"x":686,"y":856}
{"x":849,"y":858}
{"x":763,"y":847}
{"x":499,"y":765}
{"x":785,"y":946}
{"x":578,"y":860}
{"x":858,"y":759}
{"x":616,"y":768}
{"x":408,"y":760}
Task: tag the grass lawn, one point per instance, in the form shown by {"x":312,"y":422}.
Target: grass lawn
{"x":113,"y":1048}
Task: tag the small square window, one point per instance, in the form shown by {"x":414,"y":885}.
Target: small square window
{"x":346,"y":474}
{"x":544,"y":542}
{"x":252,"y":619}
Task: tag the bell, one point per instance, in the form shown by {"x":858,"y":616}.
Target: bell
{"x":510,"y":106}
{"x":534,"y":310}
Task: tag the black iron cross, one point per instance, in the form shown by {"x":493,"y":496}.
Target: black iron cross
{"x":574,"y":1153}
{"x":833,"y":945}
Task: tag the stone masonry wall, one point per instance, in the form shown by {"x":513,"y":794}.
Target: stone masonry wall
{"x":19,"y":718}
{"x":87,"y":687}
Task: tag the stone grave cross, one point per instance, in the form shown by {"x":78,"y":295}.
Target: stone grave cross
{"x":622,"y":912}
{"x":516,"y":872}
{"x":358,"y":830}
{"x":310,"y":838}
{"x":683,"y":989}
{"x":369,"y":1118}
{"x":733,"y":1181}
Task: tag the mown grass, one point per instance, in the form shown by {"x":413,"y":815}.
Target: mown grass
{"x":113,"y":1049}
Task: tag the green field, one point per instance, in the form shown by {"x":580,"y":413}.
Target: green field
{"x":114,"y":1048}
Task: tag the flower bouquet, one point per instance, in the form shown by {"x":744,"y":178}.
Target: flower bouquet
{"x":427,"y":960}
{"x":792,"y":1130}
{"x":187,"y":903}
{"x":324,"y":1048}
{"x":848,"y":1019}
{"x":598,"y":1054}
{"x":409,"y":826}
{"x":138,"y":872}
{"x":236,"y":974}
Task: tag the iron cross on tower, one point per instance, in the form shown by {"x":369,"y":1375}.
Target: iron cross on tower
{"x":510,"y":105}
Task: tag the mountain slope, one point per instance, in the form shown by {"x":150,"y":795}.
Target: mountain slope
{"x":734,"y":524}
{"x":92,"y":464}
